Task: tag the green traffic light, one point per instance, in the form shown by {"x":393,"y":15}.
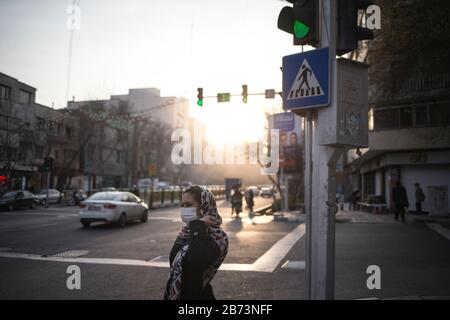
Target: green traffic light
{"x":300,"y":30}
{"x":200,"y":103}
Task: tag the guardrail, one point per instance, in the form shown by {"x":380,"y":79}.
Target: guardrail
{"x":167,"y":198}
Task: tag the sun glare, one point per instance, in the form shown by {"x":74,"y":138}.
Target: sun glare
{"x":232,"y":123}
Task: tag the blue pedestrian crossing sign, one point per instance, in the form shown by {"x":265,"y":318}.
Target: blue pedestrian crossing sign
{"x":306,"y":80}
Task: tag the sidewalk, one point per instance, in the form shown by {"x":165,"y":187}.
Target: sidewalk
{"x":358,"y":216}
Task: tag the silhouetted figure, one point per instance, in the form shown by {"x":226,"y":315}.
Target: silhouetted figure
{"x":236,"y":200}
{"x":249,"y":200}
{"x":354,"y":198}
{"x":420,"y":197}
{"x":400,"y":198}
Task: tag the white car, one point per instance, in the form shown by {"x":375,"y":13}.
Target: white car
{"x":113,"y":207}
{"x":54,"y":196}
{"x":255,"y":190}
{"x":266,"y":192}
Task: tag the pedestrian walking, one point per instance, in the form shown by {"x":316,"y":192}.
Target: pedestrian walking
{"x":420,"y":197}
{"x":400,"y":198}
{"x":236,"y":200}
{"x":199,"y":249}
{"x":354,"y":199}
{"x":249,"y":200}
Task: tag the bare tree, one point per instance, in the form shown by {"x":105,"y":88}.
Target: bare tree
{"x":17,"y":137}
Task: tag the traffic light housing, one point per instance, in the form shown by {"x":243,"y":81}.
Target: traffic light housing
{"x":244,"y":93}
{"x":200,"y":97}
{"x":48,"y":164}
{"x":223,"y":97}
{"x":50,"y":159}
{"x":349,"y":33}
{"x":302,"y":21}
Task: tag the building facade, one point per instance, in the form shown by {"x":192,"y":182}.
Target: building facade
{"x":409,"y":96}
{"x":29,"y":132}
{"x":129,"y":137}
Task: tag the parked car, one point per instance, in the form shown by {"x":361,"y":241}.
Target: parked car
{"x":255,"y":190}
{"x":54,"y":196}
{"x":18,"y":199}
{"x":113,"y":207}
{"x":266,"y":192}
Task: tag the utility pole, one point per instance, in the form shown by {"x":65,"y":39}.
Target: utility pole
{"x":328,"y":108}
{"x":320,"y":179}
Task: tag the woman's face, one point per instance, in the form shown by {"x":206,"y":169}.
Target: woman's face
{"x":188,"y":201}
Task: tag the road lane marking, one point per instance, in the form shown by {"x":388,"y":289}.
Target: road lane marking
{"x":268,"y":262}
{"x":440,"y":229}
{"x":293,"y":264}
{"x":120,"y":262}
{"x":28,"y":227}
{"x":272,"y":258}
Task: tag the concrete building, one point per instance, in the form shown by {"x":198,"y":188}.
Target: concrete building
{"x":105,"y":143}
{"x":409,"y":118}
{"x":149,"y":120}
{"x":172,"y":111}
{"x":57,"y":136}
{"x":29,"y":132}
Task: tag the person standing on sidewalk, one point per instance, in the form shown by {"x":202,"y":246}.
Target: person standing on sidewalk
{"x":420,"y":197}
{"x":249,"y":199}
{"x":199,"y":249}
{"x":400,"y":198}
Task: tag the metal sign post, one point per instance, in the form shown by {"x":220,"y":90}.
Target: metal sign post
{"x":332,"y":94}
{"x":321,"y":172}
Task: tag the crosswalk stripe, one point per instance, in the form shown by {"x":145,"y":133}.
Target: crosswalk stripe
{"x":440,"y":229}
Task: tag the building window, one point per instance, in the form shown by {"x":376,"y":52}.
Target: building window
{"x":39,"y":152}
{"x":386,"y":119}
{"x":371,"y":120}
{"x":56,"y":154}
{"x":5,"y":92}
{"x":69,"y":132}
{"x":40,"y":123}
{"x":118,"y":156}
{"x":421,"y":115}
{"x":440,"y":114}
{"x":406,"y":117}
{"x":25,"y":97}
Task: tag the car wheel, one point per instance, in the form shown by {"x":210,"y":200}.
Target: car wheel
{"x":122,"y":220}
{"x":33,"y":205}
{"x":144,"y":217}
{"x":86,"y":224}
{"x":11,"y":207}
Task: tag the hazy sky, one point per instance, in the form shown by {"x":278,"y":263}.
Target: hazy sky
{"x":176,"y":46}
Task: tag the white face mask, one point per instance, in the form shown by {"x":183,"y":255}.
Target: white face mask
{"x":188,"y":214}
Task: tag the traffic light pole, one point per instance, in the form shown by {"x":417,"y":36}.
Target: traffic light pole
{"x":48,"y":186}
{"x":320,"y":172}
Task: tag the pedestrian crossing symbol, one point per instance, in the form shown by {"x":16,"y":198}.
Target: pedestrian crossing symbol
{"x":306,"y":80}
{"x":306,"y":84}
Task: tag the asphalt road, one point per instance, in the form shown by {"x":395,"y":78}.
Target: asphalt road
{"x":37,"y":246}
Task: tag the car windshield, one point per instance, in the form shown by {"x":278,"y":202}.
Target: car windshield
{"x":9,"y":195}
{"x":108,"y":196}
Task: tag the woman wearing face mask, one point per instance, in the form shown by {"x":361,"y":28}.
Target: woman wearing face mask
{"x":199,"y":249}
